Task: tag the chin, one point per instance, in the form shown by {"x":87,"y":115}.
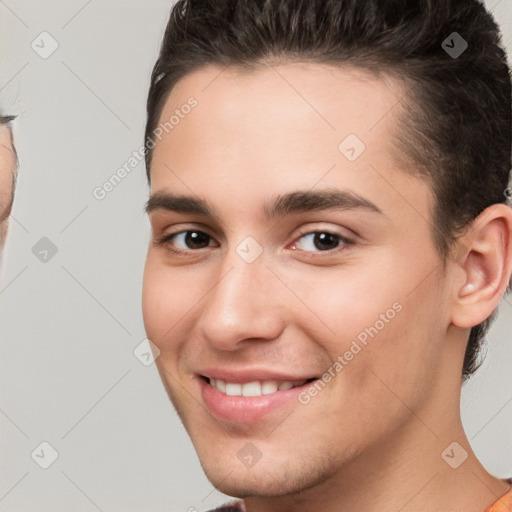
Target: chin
{"x":270,"y":479}
{"x":246,"y":486}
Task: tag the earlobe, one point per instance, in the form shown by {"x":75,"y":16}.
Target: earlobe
{"x":486,"y":265}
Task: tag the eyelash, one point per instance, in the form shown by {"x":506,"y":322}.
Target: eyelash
{"x":166,"y":239}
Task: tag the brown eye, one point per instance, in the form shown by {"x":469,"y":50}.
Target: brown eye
{"x":186,"y":241}
{"x":321,"y":241}
{"x":196,"y":239}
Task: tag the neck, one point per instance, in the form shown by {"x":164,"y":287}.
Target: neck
{"x":427,"y":465}
{"x":411,"y":474}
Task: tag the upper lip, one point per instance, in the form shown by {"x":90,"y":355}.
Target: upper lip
{"x":251,"y":375}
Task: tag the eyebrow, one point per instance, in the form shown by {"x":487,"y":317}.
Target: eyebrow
{"x":286,"y":204}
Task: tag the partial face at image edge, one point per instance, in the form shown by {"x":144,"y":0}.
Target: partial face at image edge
{"x":7,"y":176}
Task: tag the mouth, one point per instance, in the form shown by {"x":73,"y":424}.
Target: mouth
{"x":256,"y":387}
{"x":251,"y":401}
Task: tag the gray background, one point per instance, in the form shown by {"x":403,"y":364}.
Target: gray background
{"x":70,"y":321}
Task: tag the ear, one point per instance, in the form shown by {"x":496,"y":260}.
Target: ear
{"x":486,"y":264}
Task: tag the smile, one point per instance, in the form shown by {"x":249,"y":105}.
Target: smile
{"x":251,"y":401}
{"x":255,"y":388}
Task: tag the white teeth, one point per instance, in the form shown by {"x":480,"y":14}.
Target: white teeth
{"x":251,"y":389}
{"x":255,"y":388}
{"x":233,"y":389}
{"x":268,"y":387}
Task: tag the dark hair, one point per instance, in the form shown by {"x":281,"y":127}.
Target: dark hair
{"x":6,"y":119}
{"x":455,"y":127}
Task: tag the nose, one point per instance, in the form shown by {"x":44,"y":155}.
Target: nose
{"x":243,"y":304}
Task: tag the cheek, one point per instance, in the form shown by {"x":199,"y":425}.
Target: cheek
{"x":171,"y":302}
{"x":389,"y":316}
{"x":164,"y":301}
{"x":401,"y":359}
{"x":343,"y":304}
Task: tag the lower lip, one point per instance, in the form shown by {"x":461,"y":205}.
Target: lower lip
{"x":246,"y":409}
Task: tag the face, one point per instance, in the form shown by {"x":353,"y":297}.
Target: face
{"x":7,"y":169}
{"x":300,"y":258}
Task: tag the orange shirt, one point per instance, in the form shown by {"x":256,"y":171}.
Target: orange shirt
{"x":504,"y":504}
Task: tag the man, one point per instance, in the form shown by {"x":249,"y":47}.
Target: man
{"x":7,"y":174}
{"x":330,"y":241}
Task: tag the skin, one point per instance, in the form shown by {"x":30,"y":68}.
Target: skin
{"x":7,"y":173}
{"x":372,"y":438}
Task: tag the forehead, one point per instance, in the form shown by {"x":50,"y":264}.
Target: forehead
{"x":282,"y":125}
{"x":332,"y":100}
